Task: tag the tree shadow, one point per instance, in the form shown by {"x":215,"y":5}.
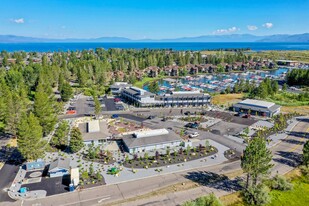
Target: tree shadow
{"x":299,"y":134}
{"x":302,"y":119}
{"x":214,"y":180}
{"x":291,"y":159}
{"x":293,"y":141}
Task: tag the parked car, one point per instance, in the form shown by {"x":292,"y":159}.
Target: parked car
{"x":187,"y":113}
{"x":115,"y":116}
{"x":192,"y":125}
{"x":119,"y":106}
{"x":71,"y":110}
{"x":193,"y":135}
{"x":117,"y":99}
{"x":246,"y":116}
{"x":151,"y":117}
{"x":203,"y":113}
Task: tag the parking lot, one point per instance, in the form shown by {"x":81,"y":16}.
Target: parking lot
{"x":52,"y":186}
{"x":225,"y":116}
{"x":227,"y":128}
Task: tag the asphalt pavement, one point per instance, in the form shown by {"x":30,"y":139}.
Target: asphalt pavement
{"x":7,"y":174}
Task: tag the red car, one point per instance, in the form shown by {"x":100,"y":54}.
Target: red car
{"x":117,"y":100}
{"x":71,"y":112}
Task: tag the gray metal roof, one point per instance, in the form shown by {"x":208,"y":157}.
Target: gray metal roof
{"x":132,"y":142}
{"x":257,"y":103}
{"x":63,"y":163}
{"x":255,"y":108}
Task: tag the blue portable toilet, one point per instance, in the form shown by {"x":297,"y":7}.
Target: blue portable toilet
{"x":71,"y":187}
{"x":23,"y":190}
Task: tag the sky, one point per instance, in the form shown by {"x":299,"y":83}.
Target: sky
{"x":155,"y":19}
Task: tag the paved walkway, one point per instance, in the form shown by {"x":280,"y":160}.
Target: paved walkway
{"x":16,"y":185}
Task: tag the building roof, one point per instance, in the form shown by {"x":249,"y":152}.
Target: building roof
{"x":63,"y":163}
{"x":119,"y":85}
{"x":132,"y":142}
{"x":93,"y":126}
{"x":101,"y":134}
{"x":257,"y":103}
{"x":259,"y":106}
{"x":138,"y":92}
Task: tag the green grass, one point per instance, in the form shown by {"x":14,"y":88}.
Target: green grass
{"x":297,"y":196}
{"x":145,"y":80}
{"x":287,"y":99}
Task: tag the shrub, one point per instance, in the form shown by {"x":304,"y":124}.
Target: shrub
{"x":256,"y":195}
{"x":209,"y":200}
{"x":280,"y":183}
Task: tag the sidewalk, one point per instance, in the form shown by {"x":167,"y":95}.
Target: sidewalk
{"x":277,"y":138}
{"x":16,"y":185}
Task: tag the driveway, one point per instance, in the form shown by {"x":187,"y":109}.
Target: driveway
{"x":132,"y":117}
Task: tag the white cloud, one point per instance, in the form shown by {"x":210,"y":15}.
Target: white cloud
{"x":226,"y":31}
{"x":268,"y":25}
{"x":18,"y":21}
{"x":252,"y":27}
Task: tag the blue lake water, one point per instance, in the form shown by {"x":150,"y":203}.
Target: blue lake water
{"x":217,"y":82}
{"x":50,"y":47}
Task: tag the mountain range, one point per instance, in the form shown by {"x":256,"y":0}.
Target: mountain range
{"x":206,"y":38}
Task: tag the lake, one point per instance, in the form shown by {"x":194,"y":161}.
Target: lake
{"x":50,"y":47}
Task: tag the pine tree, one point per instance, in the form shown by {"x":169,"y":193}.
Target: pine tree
{"x":66,"y":92}
{"x":16,"y":106}
{"x":256,"y":160}
{"x":76,"y":141}
{"x":29,"y":141}
{"x":44,"y":109}
{"x":60,"y":138}
{"x":97,"y":106}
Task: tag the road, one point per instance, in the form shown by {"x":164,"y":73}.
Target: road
{"x":286,"y":155}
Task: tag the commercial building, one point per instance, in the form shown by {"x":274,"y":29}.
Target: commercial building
{"x":143,"y":98}
{"x":117,"y":87}
{"x":59,"y":167}
{"x":94,"y":132}
{"x":257,"y":107}
{"x":150,"y":140}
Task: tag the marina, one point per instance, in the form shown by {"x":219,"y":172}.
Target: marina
{"x":216,"y":82}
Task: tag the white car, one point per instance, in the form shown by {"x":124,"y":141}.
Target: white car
{"x":195,"y":134}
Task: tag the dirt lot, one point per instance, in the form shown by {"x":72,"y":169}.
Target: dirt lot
{"x":300,"y":109}
{"x":227,"y":99}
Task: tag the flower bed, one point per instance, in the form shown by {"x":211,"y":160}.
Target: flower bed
{"x":180,"y":156}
